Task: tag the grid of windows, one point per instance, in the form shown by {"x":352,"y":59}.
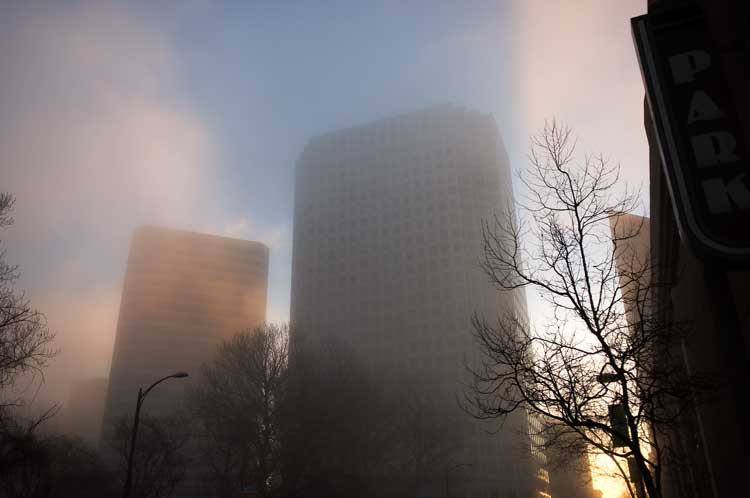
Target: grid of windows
{"x":387,"y":240}
{"x":183,"y":293}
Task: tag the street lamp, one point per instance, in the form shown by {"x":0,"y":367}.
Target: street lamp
{"x":448,"y":476}
{"x":141,"y":396}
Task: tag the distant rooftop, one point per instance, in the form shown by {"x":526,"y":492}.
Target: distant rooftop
{"x":432,"y":112}
{"x":174,"y":232}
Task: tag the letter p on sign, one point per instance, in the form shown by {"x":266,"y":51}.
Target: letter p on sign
{"x":687,"y":64}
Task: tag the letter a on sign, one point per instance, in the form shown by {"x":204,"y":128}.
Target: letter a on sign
{"x":702,"y":108}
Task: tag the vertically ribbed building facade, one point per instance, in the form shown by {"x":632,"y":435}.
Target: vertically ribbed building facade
{"x":387,"y":246}
{"x":183,"y":293}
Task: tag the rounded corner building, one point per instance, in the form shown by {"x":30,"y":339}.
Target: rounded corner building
{"x":386,"y":258}
{"x":183,"y":293}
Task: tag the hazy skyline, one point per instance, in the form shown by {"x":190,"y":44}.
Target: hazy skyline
{"x":192,"y":115}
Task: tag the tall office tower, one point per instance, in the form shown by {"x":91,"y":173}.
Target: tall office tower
{"x":632,"y":234}
{"x":571,"y":478}
{"x":387,"y":245}
{"x":569,"y":471}
{"x":183,"y":294}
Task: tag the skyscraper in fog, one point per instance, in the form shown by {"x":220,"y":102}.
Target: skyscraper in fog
{"x":183,"y":294}
{"x":387,"y":246}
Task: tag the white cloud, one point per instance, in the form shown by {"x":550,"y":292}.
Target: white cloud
{"x":274,"y":236}
{"x":578,"y":64}
{"x":276,"y":313}
{"x":96,"y":146}
{"x":90,"y":133}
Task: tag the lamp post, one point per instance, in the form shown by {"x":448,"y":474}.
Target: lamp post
{"x":134,"y":433}
{"x":448,"y":476}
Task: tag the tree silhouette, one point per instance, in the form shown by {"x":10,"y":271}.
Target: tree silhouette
{"x":606,"y":349}
{"x":25,"y":340}
{"x":159,"y":462}
{"x":235,"y":404}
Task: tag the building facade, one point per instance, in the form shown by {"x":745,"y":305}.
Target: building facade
{"x":712,"y":437}
{"x":183,"y":293}
{"x":387,"y":247}
{"x":570,"y":475}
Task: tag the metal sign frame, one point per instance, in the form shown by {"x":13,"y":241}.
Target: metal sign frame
{"x":681,"y":171}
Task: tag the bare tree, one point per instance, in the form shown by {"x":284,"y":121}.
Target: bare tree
{"x":25,"y":349}
{"x":77,"y":469}
{"x":25,"y":340}
{"x":567,"y":463}
{"x":235,"y":404}
{"x":34,"y":465}
{"x":600,"y":369}
{"x":159,"y":461}
{"x":311,"y":422}
{"x":427,"y":433}
{"x":23,"y":460}
{"x":341,"y":431}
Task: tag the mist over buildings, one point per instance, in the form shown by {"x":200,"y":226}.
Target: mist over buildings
{"x":193,"y":115}
{"x":119,"y":115}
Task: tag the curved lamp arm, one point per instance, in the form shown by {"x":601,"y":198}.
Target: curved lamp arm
{"x":134,"y":431}
{"x":178,"y":375}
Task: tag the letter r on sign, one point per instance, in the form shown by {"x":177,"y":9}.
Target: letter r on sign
{"x":712,"y":149}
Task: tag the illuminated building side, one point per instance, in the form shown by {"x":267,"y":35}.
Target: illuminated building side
{"x":183,"y":293}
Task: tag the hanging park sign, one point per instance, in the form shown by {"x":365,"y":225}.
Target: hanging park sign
{"x":703,"y":147}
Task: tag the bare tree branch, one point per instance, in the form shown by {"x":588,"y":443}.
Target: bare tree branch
{"x":25,"y":340}
{"x":573,"y":243}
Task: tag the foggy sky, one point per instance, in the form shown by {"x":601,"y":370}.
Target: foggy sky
{"x":190,"y":114}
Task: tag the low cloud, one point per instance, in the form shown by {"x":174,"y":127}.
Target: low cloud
{"x":566,"y":51}
{"x":89,"y":133}
{"x":84,"y":322}
{"x":274,"y":236}
{"x":92,"y":144}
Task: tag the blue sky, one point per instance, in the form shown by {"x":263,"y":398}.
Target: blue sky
{"x":266,"y":77}
{"x":258,"y":79}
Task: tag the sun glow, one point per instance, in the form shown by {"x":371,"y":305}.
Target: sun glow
{"x":606,"y":478}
